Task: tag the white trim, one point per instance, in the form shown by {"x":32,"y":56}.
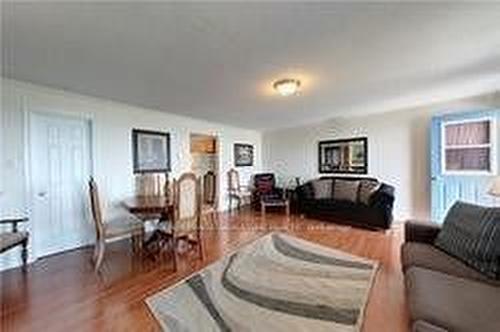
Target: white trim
{"x":492,"y":147}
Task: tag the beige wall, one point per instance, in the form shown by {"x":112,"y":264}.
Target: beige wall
{"x":398,"y":148}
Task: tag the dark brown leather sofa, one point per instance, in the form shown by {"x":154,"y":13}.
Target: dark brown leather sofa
{"x":377,"y":214}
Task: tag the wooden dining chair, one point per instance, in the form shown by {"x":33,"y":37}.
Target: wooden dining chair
{"x":209,"y":198}
{"x":235,"y":190}
{"x":14,"y":238}
{"x":151,"y":185}
{"x":162,"y":234}
{"x":186,"y":224}
{"x":107,"y":229}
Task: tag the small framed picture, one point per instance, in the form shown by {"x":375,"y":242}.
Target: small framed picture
{"x":243,"y":154}
{"x":151,"y":151}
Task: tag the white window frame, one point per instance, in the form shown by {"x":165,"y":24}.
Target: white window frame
{"x":492,"y":146}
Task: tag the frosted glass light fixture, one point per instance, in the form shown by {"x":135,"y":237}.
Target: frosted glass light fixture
{"x":287,"y":87}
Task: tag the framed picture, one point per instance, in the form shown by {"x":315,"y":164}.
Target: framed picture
{"x":151,"y":151}
{"x":347,"y":156}
{"x":243,"y":154}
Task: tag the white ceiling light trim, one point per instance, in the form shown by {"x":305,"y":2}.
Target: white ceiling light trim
{"x":287,"y":87}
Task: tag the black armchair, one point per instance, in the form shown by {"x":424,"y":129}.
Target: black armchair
{"x":264,"y":187}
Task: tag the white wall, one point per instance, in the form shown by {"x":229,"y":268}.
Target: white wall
{"x":112,"y":125}
{"x":398,"y":151}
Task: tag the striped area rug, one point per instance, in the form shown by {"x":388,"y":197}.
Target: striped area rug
{"x":276,"y":283}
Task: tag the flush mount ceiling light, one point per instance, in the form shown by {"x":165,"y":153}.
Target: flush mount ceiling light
{"x":287,"y":87}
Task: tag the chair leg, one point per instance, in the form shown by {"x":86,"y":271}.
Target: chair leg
{"x":200,"y":247}
{"x":133,"y":242}
{"x":96,"y":251}
{"x":141,"y":237}
{"x":213,"y":216}
{"x":24,"y":254}
{"x":137,"y":242}
{"x":100,"y":254}
{"x":173,"y":246}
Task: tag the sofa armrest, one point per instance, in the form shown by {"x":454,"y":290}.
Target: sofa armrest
{"x":424,"y":232}
{"x":383,"y":201}
{"x":305,"y":191}
{"x":384,"y":196}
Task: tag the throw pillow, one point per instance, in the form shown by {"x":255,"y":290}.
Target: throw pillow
{"x":471,"y":233}
{"x":346,"y":190}
{"x":366,"y":189}
{"x":322,"y":188}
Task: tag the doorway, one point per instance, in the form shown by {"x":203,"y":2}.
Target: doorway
{"x":59,"y":168}
{"x":204,"y":156}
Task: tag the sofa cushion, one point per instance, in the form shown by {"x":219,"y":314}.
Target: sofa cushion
{"x":471,"y":233}
{"x":330,"y":205}
{"x":452,"y":303}
{"x":366,"y":189}
{"x":423,"y":326}
{"x":10,"y":239}
{"x":322,"y":188}
{"x":429,"y":257}
{"x":346,"y":190}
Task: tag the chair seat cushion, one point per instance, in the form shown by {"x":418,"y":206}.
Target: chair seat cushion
{"x":274,"y":201}
{"x":243,"y":192}
{"x":10,"y":239}
{"x":208,"y":208}
{"x":452,"y":303}
{"x":123,"y":224}
{"x":429,"y":257}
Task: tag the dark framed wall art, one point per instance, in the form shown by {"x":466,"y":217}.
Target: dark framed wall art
{"x":151,"y":151}
{"x":243,"y":154}
{"x":343,"y":156}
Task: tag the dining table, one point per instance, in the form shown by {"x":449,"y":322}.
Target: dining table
{"x":146,"y":206}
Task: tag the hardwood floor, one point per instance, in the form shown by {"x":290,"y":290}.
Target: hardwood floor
{"x":63,"y":293}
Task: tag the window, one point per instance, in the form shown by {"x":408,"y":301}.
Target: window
{"x":469,"y":147}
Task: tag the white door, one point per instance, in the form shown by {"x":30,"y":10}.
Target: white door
{"x":60,"y":167}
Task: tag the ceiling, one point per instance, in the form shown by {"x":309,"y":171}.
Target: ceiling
{"x":218,"y":61}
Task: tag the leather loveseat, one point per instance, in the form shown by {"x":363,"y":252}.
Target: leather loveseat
{"x":358,"y":201}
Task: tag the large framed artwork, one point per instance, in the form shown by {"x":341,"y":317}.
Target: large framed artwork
{"x":347,"y":156}
{"x":151,"y":151}
{"x":243,"y":154}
